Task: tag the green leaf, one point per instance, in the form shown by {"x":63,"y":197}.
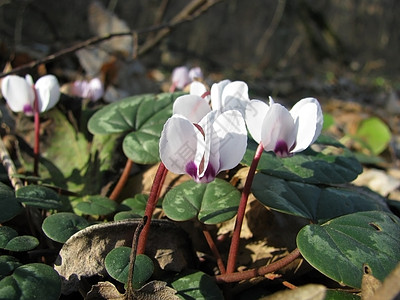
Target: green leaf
{"x":197,"y":285}
{"x":342,"y":247}
{"x":96,"y":205}
{"x":340,"y":295}
{"x":142,"y":147}
{"x":7,"y":265}
{"x":375,"y":134}
{"x":309,"y":166}
{"x":329,"y":120}
{"x":117,"y":265}
{"x":9,"y":206}
{"x":123,"y":215}
{"x":313,"y":202}
{"x":212,"y":203}
{"x":61,"y":226}
{"x":143,"y":116}
{"x":137,"y":204}
{"x":22,"y":243}
{"x":38,"y":196}
{"x":32,"y":281}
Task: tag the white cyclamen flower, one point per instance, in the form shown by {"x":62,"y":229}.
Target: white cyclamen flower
{"x":216,"y":143}
{"x":282,"y":131}
{"x":20,"y":92}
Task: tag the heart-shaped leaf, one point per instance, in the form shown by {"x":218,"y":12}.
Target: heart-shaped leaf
{"x":9,"y":206}
{"x":313,"y":202}
{"x":61,"y":226}
{"x":96,"y":205}
{"x":309,"y":166}
{"x":343,"y":247}
{"x":197,"y":285}
{"x":143,"y":116}
{"x":137,"y":204}
{"x":117,"y":265}
{"x":32,"y":281}
{"x":212,"y":203}
{"x":38,"y":196}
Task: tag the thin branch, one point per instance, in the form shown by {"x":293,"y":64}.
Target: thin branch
{"x":9,"y":166}
{"x":187,"y":14}
{"x":132,"y":257}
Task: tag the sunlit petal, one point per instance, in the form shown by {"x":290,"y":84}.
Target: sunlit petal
{"x":230,"y":139}
{"x":178,"y":144}
{"x":278,"y":127}
{"x":308,"y":116}
{"x":216,"y":94}
{"x":48,"y":92}
{"x":193,"y":107}
{"x":255,"y":113}
{"x":199,"y":89}
{"x":235,"y":96}
{"x":17,"y":92}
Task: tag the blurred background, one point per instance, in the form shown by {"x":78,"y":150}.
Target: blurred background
{"x":281,"y":48}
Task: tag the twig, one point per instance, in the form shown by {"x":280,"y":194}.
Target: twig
{"x":263,"y":42}
{"x":245,"y":275}
{"x":9,"y":166}
{"x":122,"y":180}
{"x":132,"y":257}
{"x":165,"y":28}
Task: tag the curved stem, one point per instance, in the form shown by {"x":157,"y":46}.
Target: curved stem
{"x":239,"y":276}
{"x":233,"y":250}
{"x":122,"y":180}
{"x":36,"y":147}
{"x":214,"y":249}
{"x":151,"y":205}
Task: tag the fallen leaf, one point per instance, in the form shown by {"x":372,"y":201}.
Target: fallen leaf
{"x":83,"y":254}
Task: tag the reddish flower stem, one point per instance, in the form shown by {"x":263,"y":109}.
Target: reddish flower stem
{"x":233,"y":250}
{"x":36,"y":147}
{"x":122,"y":180}
{"x":245,"y":275}
{"x":214,"y":250}
{"x":151,"y":205}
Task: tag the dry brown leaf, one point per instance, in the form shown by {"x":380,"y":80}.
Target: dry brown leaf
{"x":104,"y":291}
{"x":388,"y":290}
{"x":307,"y":292}
{"x":155,"y":290}
{"x":84,"y":253}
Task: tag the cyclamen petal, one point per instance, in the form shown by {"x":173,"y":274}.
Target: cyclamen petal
{"x":17,"y":92}
{"x":255,"y":113}
{"x":178,"y":144}
{"x":278,"y":129}
{"x":193,"y":107}
{"x":48,"y":92}
{"x":235,"y":95}
{"x":308,"y":114}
